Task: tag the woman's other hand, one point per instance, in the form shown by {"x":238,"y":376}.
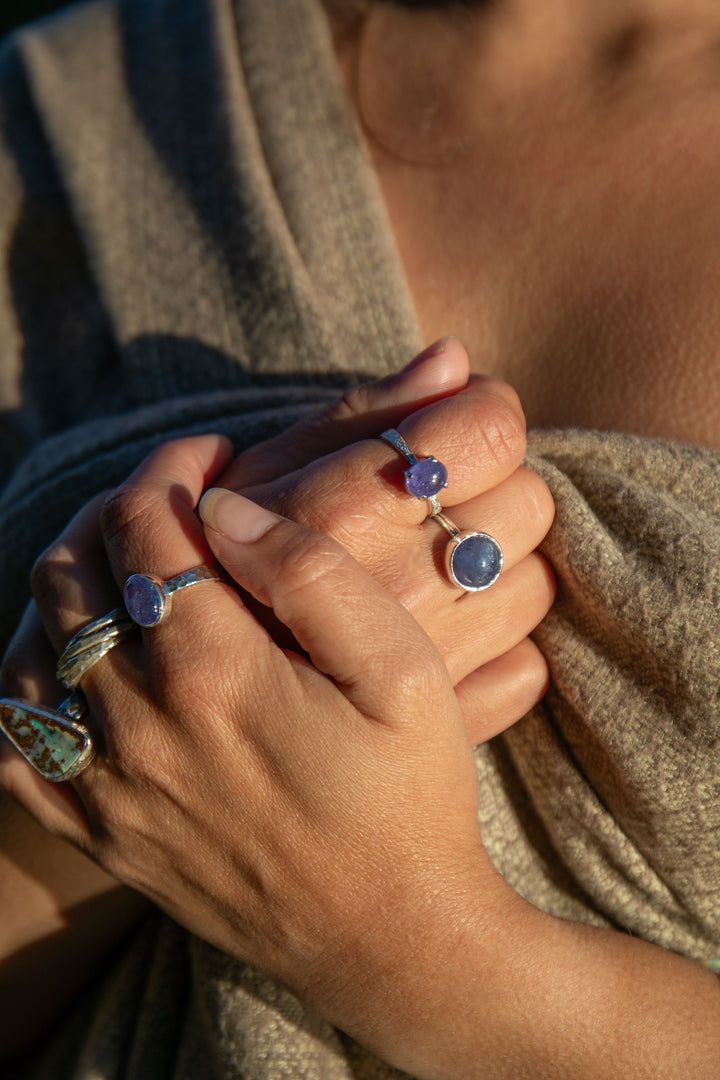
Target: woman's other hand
{"x":494,"y":695}
{"x":356,"y":494}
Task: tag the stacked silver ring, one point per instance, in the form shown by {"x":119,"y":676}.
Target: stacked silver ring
{"x":91,"y":643}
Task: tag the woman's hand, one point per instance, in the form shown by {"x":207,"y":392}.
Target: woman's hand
{"x":283,"y":808}
{"x":361,"y":412}
{"x":316,"y":814}
{"x":357,"y":496}
{"x":405,"y":553}
{"x":492,"y":697}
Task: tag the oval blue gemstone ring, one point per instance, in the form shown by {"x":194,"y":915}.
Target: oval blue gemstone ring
{"x":473,"y":559}
{"x":424,"y":477}
{"x":148,"y":598}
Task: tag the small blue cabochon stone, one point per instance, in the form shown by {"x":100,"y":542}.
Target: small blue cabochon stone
{"x":426,"y":477}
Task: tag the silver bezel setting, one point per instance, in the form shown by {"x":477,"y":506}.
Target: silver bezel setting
{"x":452,"y":549}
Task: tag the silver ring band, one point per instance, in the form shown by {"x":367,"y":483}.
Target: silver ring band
{"x":151,"y":598}
{"x":90,"y":644}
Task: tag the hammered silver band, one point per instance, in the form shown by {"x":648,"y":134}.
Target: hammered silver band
{"x":144,"y":596}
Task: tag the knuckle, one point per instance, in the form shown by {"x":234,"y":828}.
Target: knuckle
{"x":491,"y":386}
{"x":412,"y":675}
{"x":489,"y":426}
{"x":330,"y":501}
{"x":539,"y":501}
{"x":528,"y":595}
{"x":46,"y":573}
{"x":354,"y":402}
{"x":503,"y":436}
{"x":424,"y":671}
{"x":136,"y":749}
{"x":140,"y":757}
{"x":125,"y":507}
{"x":194,"y":673}
{"x":535,"y":671}
{"x":543,"y":583}
{"x":308,"y":561}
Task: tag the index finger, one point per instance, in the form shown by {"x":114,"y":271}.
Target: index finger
{"x":149,"y":524}
{"x":479,"y":434}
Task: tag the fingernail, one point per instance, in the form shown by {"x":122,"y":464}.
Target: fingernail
{"x":234,"y":516}
{"x":430,"y":373}
{"x":435,"y":349}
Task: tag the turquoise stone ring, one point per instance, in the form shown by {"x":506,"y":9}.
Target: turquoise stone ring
{"x":53,"y":741}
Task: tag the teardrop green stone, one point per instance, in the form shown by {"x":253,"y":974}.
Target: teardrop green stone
{"x":57,"y":747}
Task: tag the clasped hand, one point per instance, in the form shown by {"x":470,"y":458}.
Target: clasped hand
{"x":306,"y":803}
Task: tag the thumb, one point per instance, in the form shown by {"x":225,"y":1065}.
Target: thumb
{"x":362,"y":412}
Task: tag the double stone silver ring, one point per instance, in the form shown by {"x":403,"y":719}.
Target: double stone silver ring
{"x":473,"y":560}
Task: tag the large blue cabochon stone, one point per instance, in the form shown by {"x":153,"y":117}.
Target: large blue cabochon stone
{"x":476,"y":561}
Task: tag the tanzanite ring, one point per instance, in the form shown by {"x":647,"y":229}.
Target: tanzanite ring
{"x":148,"y":599}
{"x":473,"y":559}
{"x":424,"y":477}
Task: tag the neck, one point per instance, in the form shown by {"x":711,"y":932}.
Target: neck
{"x":550,"y":170}
{"x":423,"y":79}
